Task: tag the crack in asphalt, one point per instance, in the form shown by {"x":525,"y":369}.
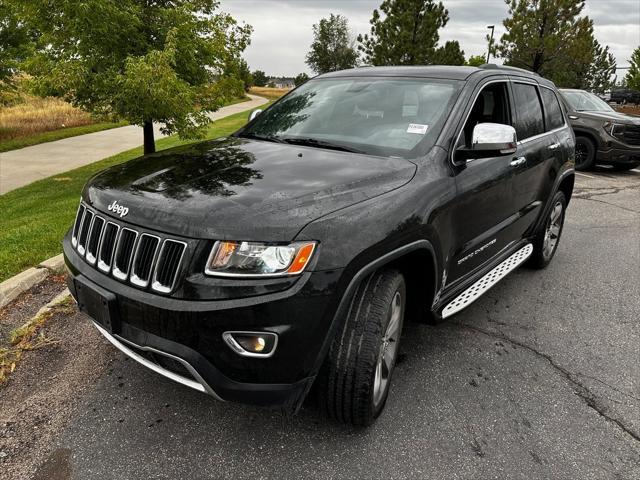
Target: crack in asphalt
{"x":580,"y":390}
{"x":588,"y":194}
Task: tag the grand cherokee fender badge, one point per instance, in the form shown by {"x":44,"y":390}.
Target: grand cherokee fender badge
{"x":118,"y":209}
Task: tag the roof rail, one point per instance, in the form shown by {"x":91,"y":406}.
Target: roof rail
{"x":493,"y":66}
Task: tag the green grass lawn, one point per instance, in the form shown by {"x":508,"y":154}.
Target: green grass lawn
{"x":21,"y":142}
{"x":36,"y":217}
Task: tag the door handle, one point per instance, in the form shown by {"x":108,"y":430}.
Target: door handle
{"x":554,"y":146}
{"x":518,"y":161}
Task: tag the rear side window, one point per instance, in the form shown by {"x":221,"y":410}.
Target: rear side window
{"x":552,"y":110}
{"x":530,"y":121}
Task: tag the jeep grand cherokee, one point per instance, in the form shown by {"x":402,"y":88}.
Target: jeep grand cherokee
{"x":290,"y":253}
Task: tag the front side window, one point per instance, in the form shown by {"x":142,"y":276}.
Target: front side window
{"x":376,"y":115}
{"x":530,"y":121}
{"x":552,"y":110}
{"x":582,"y":101}
{"x":491,"y":106}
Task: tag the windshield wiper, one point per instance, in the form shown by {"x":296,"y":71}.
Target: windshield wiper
{"x":266,"y":138}
{"x":314,"y":142}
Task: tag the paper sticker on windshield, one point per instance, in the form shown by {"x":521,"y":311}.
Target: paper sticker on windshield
{"x":417,"y":128}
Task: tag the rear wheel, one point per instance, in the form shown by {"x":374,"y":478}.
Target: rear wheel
{"x":585,"y":153}
{"x":546,"y":241}
{"x":354,"y":381}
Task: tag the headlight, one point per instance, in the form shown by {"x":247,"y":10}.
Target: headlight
{"x":249,"y":259}
{"x":615,"y":129}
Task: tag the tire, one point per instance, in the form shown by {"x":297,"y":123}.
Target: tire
{"x":585,"y":153}
{"x":351,"y":385}
{"x":547,"y":240}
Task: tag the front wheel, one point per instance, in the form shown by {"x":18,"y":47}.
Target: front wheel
{"x":354,"y":381}
{"x":547,"y":240}
{"x":585,"y":153}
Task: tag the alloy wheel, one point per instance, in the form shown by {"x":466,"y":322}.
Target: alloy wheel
{"x":552,"y":232}
{"x":388,"y":350}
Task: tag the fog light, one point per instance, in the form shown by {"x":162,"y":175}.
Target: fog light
{"x":251,"y":344}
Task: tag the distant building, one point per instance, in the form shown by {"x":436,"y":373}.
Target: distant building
{"x":282,"y":82}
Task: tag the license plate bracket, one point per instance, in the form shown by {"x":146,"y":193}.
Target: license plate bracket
{"x":99,"y":304}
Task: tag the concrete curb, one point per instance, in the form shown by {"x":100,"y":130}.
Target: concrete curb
{"x":10,"y":289}
{"x":57,"y":300}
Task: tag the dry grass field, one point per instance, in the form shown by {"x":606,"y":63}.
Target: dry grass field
{"x":36,"y":115}
{"x":270,"y":93}
{"x":630,"y":109}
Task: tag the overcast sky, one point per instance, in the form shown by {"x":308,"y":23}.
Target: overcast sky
{"x":282,"y":29}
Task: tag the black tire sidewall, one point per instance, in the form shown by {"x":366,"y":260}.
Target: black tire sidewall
{"x":591,"y":153}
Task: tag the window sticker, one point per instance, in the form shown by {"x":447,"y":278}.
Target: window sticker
{"x":417,"y":128}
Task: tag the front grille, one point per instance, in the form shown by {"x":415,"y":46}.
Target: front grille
{"x":126,"y":253}
{"x":632,"y":135}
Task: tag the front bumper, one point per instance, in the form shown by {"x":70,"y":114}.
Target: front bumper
{"x":618,"y":153}
{"x":182,"y":339}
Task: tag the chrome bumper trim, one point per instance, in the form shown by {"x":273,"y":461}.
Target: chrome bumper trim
{"x":197,"y":384}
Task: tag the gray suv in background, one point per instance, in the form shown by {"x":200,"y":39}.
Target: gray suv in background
{"x":603,"y":136}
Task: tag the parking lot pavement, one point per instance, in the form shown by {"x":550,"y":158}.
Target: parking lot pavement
{"x":538,"y":379}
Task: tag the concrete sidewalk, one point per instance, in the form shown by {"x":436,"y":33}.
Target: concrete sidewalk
{"x":26,"y":165}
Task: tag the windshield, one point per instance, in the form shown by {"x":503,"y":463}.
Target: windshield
{"x":586,"y":102}
{"x":377,"y":116}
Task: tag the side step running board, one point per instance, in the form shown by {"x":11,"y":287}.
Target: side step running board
{"x":479,"y":288}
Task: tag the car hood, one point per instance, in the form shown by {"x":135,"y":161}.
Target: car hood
{"x":242,"y":189}
{"x":610,"y":116}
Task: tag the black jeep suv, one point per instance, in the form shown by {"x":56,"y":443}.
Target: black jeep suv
{"x":290,"y":254}
{"x":602,"y":135}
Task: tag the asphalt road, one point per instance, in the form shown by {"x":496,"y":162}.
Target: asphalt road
{"x":538,"y":379}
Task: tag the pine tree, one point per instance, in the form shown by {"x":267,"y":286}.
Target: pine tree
{"x":632,"y":79}
{"x":550,"y":37}
{"x":407,"y":34}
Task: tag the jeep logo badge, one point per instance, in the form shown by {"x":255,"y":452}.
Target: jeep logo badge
{"x":118,"y":209}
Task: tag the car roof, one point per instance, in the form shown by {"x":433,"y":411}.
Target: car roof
{"x":436,"y":71}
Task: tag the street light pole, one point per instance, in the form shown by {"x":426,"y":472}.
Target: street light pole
{"x":492,"y":27}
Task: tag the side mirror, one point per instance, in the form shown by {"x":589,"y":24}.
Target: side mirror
{"x":254,"y":114}
{"x":490,"y":140}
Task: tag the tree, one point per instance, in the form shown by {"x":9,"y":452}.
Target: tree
{"x":632,"y":78}
{"x":550,"y":37}
{"x":259,"y":78}
{"x":333,"y":46}
{"x":143,"y":60}
{"x":601,"y":71}
{"x":449,"y":54}
{"x":407,"y":35}
{"x":238,"y":68}
{"x":16,"y":43}
{"x":476,"y":60}
{"x":300,"y":79}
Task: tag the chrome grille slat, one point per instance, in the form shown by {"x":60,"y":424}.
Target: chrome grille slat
{"x":87,"y":220}
{"x":77,"y":224}
{"x":94,"y":239}
{"x":142,"y":265}
{"x":143,"y":259}
{"x":124,"y":253}
{"x":168,"y":265}
{"x":107,"y":245}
